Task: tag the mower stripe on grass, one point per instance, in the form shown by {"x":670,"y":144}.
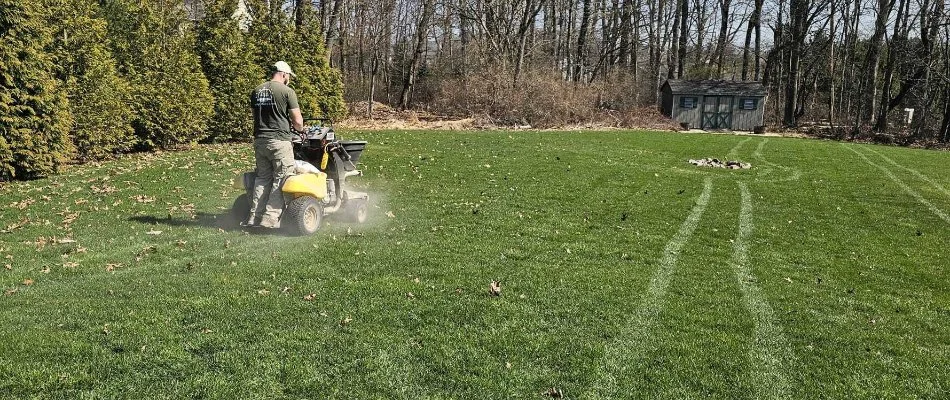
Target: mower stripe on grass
{"x":913,"y":171}
{"x":633,"y":338}
{"x":903,"y":185}
{"x":794,"y":173}
{"x":734,"y":152}
{"x":770,"y":353}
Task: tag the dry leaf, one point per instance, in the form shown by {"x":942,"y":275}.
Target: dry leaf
{"x":206,"y":331}
{"x":153,"y":232}
{"x":390,"y":214}
{"x":181,"y":243}
{"x":555,"y":393}
{"x":494,"y":288}
{"x":9,"y":292}
{"x":28,"y":282}
{"x":263,"y":292}
{"x":508,"y":364}
{"x":112,"y":267}
{"x":410,"y":295}
{"x":70,"y":265}
{"x":285,"y":289}
{"x":789,"y":280}
{"x":416,"y":280}
{"x":8,"y":267}
{"x":346,"y":321}
{"x":46,"y":270}
{"x":65,"y":241}
{"x":310,"y":297}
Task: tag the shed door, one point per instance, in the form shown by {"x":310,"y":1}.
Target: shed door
{"x":717,"y":112}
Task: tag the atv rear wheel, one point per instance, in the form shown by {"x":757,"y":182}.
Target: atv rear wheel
{"x":241,"y":209}
{"x":303,"y":216}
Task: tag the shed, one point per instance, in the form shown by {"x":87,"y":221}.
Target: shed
{"x":713,"y":104}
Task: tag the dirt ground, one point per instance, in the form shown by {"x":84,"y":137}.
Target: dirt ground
{"x":386,"y":117}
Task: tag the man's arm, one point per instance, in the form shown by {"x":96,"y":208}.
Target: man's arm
{"x":297,"y":119}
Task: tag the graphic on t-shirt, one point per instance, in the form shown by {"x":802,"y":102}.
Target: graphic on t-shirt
{"x":264,"y":97}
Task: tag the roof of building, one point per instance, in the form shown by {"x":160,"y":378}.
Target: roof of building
{"x":714,"y":87}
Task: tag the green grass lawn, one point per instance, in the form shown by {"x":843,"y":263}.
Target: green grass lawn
{"x":626,"y":273}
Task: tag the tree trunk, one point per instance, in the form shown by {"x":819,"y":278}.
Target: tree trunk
{"x":723,"y":32}
{"x":753,"y":27}
{"x":422,"y":34}
{"x":684,"y":32}
{"x":672,"y":59}
{"x":872,"y":63}
{"x":582,"y":42}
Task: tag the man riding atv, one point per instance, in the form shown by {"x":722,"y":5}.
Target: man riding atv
{"x":275,"y":109}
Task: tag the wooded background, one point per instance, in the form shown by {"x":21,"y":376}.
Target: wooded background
{"x":88,"y":79}
{"x":852,"y":64}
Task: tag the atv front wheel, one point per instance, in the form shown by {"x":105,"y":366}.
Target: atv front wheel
{"x":303,"y":216}
{"x":357,"y":211}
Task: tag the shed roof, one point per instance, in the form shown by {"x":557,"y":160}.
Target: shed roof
{"x":714,"y":87}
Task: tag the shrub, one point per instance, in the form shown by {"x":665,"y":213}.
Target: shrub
{"x":319,"y":87}
{"x":98,"y":95}
{"x":227,"y":59}
{"x":154,"y":47}
{"x":34,"y":111}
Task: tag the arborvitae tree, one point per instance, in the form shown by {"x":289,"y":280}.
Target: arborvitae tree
{"x":319,"y":87}
{"x":34,"y":112}
{"x":227,"y":58}
{"x":98,"y":96}
{"x":154,"y":47}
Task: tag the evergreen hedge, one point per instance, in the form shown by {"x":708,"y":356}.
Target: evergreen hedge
{"x":87,"y":80}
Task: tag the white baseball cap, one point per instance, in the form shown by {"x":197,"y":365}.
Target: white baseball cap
{"x":281,"y":66}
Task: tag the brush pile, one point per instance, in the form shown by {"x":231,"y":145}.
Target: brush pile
{"x":717,"y":163}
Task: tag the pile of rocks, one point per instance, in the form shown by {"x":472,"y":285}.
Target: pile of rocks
{"x":717,"y":163}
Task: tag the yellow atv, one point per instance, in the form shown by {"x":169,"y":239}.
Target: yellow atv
{"x":313,"y":193}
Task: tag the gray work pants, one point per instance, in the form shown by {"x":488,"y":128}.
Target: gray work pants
{"x":275,"y":162}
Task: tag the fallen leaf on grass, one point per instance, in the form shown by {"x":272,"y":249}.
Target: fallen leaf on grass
{"x":45,"y":270}
{"x":153,"y":232}
{"x":10,"y":292}
{"x":554,"y":393}
{"x":410,"y":296}
{"x":263,"y":292}
{"x":346,"y":321}
{"x":494,"y":288}
{"x":27,"y":282}
{"x":206,"y":331}
{"x":310,"y":297}
{"x":390,"y":214}
{"x":8,"y":267}
{"x":789,"y":280}
{"x":181,"y":243}
{"x":143,"y":199}
{"x":14,"y":226}
{"x":508,"y":364}
{"x":70,"y":265}
{"x":112,"y":267}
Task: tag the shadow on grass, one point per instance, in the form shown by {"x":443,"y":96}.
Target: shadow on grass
{"x":202,"y":220}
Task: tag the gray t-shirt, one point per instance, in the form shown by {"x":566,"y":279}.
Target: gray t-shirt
{"x":272,"y":102}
